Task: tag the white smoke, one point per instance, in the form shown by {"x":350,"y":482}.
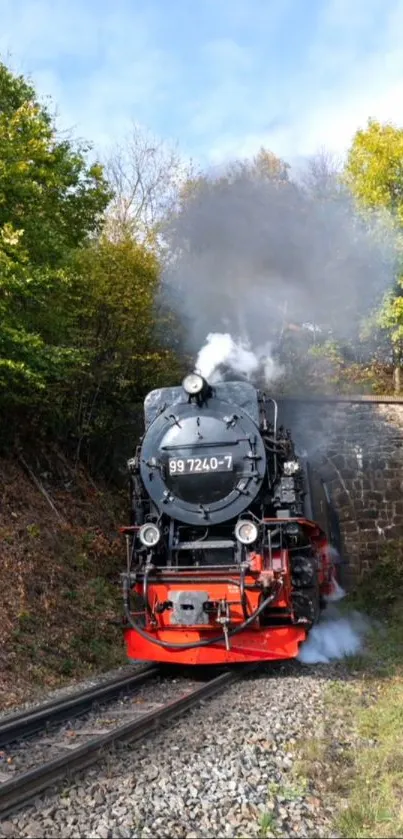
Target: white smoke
{"x":336,"y":636}
{"x":272,"y":371}
{"x":221,"y":350}
{"x":338,"y":592}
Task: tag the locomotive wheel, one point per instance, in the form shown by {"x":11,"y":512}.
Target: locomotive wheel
{"x":305,"y":584}
{"x":306,"y":604}
{"x":303,"y":572}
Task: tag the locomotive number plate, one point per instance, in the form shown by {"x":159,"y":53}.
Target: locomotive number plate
{"x":187,"y":465}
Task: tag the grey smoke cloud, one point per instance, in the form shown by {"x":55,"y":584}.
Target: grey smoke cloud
{"x":251,"y":255}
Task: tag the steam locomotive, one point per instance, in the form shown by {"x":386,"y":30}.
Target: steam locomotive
{"x":223,"y":565}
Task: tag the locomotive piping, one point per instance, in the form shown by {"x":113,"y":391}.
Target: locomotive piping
{"x":208,"y":641}
{"x":244,"y":599}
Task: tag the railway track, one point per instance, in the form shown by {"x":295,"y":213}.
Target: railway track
{"x":68,"y":753}
{"x":22,"y":724}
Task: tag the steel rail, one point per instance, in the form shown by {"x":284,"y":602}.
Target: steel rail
{"x":24,"y":723}
{"x":20,"y":789}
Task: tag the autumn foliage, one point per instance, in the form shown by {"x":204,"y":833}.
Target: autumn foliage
{"x":81,"y":254}
{"x":77,"y":339}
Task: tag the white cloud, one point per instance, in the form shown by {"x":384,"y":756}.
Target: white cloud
{"x":283,"y":75}
{"x":351,"y":71}
{"x":99,"y":62}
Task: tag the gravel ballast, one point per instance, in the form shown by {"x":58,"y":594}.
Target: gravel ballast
{"x":225,"y":769}
{"x":26,"y":753}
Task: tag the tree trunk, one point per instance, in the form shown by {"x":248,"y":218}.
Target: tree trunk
{"x":397,"y":376}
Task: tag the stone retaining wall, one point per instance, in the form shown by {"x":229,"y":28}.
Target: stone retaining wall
{"x":357,"y":449}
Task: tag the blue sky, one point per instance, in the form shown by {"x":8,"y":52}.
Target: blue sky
{"x":221,"y":77}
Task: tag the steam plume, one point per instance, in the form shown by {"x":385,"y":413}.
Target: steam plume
{"x":250,"y":255}
{"x":221,"y":351}
{"x":335,"y":636}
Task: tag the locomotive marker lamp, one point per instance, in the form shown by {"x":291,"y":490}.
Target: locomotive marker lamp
{"x":246,"y":532}
{"x":149,"y":535}
{"x":196,"y":387}
{"x":291,"y":467}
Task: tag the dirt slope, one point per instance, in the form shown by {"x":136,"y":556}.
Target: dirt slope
{"x":60,"y":559}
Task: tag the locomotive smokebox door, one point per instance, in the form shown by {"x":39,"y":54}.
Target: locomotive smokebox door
{"x":203,"y":464}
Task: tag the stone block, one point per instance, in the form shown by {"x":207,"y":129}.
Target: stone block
{"x":392,"y":494}
{"x":371,"y":513}
{"x":374,"y":496}
{"x":369,"y":499}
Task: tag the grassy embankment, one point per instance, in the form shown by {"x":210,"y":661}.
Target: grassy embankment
{"x":358,"y":764}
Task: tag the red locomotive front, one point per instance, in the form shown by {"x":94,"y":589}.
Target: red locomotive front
{"x":222,"y":564}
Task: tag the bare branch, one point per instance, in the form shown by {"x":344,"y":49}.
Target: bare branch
{"x":146,"y":176}
{"x":40,"y":486}
{"x":321,"y":173}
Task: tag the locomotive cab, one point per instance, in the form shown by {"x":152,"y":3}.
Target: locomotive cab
{"x":218,"y":544}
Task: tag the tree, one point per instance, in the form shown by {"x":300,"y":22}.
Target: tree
{"x":146,"y":176}
{"x":51,"y":202}
{"x":374,"y":169}
{"x":117,"y":336}
{"x":374,"y":174}
{"x":321,"y":175}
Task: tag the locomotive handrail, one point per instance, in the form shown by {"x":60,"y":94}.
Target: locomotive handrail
{"x":354,"y":398}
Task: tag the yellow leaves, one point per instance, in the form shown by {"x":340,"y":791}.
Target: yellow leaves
{"x":23,"y":166}
{"x":374,"y":169}
{"x":397,"y":307}
{"x":264,"y":166}
{"x":268,"y":165}
{"x":96,"y":171}
{"x":26,"y":126}
{"x":10,"y":236}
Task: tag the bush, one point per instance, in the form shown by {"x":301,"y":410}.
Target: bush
{"x":381,"y":590}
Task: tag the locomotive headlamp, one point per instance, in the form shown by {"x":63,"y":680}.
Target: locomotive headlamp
{"x":149,"y":535}
{"x":193,"y":384}
{"x":246,"y":532}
